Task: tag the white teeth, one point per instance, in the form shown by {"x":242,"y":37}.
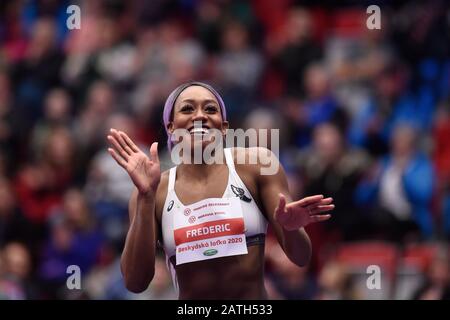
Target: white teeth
{"x":200,"y":130}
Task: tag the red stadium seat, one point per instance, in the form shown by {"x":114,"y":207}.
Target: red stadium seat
{"x":357,"y":257}
{"x":413,"y":264}
{"x":419,"y":256}
{"x":363,"y":254}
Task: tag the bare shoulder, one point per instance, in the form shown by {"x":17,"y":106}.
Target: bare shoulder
{"x":253,"y":159}
{"x":164,"y":181}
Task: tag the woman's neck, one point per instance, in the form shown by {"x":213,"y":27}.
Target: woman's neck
{"x":203,"y":170}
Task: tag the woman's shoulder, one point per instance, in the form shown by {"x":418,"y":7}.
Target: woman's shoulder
{"x":257,"y":152}
{"x":161,"y":194}
{"x":252,"y":159}
{"x":163,"y":184}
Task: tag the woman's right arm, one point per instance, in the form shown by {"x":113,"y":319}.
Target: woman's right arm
{"x":138,"y":256}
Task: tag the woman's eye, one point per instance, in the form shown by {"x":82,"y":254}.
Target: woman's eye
{"x":211,"y":108}
{"x":186,"y":108}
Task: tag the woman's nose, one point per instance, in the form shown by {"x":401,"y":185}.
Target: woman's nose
{"x":199,"y":115}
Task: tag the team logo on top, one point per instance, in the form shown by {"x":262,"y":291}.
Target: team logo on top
{"x":240,"y":193}
{"x":187,"y":212}
{"x":170,"y":206}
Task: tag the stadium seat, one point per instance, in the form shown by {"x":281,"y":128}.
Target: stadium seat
{"x":357,"y":257}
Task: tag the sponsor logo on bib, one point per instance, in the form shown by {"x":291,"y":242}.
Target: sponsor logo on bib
{"x":170,"y":206}
{"x":240,"y":193}
{"x":210,"y":252}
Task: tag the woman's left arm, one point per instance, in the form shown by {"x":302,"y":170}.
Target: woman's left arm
{"x":288,"y":218}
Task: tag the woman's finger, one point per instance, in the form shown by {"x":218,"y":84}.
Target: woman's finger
{"x":308,"y":201}
{"x":123,"y":143}
{"x":323,"y":208}
{"x":281,"y":204}
{"x":326,"y":201}
{"x":130,"y":142}
{"x":319,"y":218}
{"x":154,"y":152}
{"x":118,"y":147}
{"x":118,"y":158}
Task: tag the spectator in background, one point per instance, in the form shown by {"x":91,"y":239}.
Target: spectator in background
{"x":423,"y":32}
{"x":239,"y":67}
{"x":319,"y":105}
{"x":264,"y":120}
{"x":116,"y":55}
{"x":90,"y":123}
{"x":287,"y":280}
{"x":335,"y":283}
{"x":161,"y":287}
{"x":294,"y":49}
{"x":15,"y":269}
{"x":13,"y":225}
{"x":436,"y":285}
{"x":40,"y":184}
{"x":329,"y":166}
{"x":57,"y":254}
{"x":37,"y":72}
{"x":441,"y":159}
{"x":74,"y":240}
{"x":106,"y":282}
{"x":355,"y":57}
{"x":261,"y":119}
{"x":77,"y":72}
{"x":108,"y":187}
{"x":208,"y":25}
{"x":166,"y":56}
{"x":9,"y":146}
{"x":80,"y":218}
{"x":106,"y":270}
{"x":401,"y":189}
{"x":57,"y":112}
{"x":391,"y":104}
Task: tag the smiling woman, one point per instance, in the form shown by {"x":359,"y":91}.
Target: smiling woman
{"x":211,"y":219}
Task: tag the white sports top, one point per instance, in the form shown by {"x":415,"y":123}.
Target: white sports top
{"x":254,"y":221}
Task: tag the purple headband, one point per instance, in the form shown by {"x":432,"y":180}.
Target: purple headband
{"x":170,"y":102}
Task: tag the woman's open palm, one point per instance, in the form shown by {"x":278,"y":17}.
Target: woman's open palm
{"x":143,"y":171}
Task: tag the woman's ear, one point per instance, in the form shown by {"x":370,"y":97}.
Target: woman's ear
{"x":225,"y":127}
{"x":170,"y":127}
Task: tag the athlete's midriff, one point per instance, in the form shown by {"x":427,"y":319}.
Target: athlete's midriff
{"x":235,"y":277}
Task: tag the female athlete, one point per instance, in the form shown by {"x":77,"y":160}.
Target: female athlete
{"x":210,"y":218}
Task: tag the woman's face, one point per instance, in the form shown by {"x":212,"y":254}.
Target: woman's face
{"x":197,"y":104}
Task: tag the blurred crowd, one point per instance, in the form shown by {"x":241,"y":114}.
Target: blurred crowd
{"x":364,"y":118}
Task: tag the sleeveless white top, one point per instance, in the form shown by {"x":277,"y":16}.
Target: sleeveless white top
{"x":254,"y":221}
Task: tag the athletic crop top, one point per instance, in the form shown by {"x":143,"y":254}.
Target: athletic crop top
{"x":255,"y":224}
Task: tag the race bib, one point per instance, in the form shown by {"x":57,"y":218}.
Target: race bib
{"x":209,"y":229}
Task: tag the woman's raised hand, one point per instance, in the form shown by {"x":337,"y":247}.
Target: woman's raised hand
{"x":301,"y":213}
{"x":143,"y":171}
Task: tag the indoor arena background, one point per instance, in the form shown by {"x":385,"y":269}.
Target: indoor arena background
{"x":364,"y":118}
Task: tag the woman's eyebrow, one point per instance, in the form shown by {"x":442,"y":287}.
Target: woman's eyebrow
{"x":202,"y":101}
